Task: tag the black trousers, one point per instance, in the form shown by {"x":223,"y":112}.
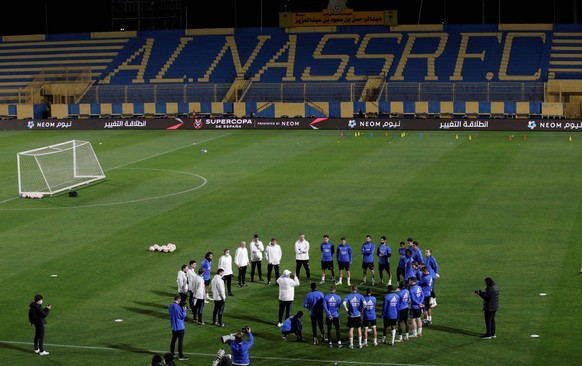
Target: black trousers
{"x":242,"y":273}
{"x":39,"y":337}
{"x":177,"y":335}
{"x":256,"y":266}
{"x":284,"y":307}
{"x":490,"y":323}
{"x":303,"y":263}
{"x":270,"y":270}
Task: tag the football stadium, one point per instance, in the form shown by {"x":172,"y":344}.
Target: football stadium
{"x":127,"y":154}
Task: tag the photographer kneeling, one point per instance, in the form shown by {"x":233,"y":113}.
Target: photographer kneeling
{"x":240,"y":349}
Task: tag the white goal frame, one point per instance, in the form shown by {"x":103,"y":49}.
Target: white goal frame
{"x":56,"y":168}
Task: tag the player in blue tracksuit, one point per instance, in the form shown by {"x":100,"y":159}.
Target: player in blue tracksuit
{"x":344,"y":260}
{"x":426,"y":283}
{"x":384,"y":253}
{"x":314,"y":302}
{"x":403,"y":305}
{"x":416,"y":305}
{"x":331,"y":305}
{"x":400,"y":268}
{"x":327,"y":251}
{"x":433,"y":268}
{"x":368,"y":251}
{"x":207,"y":266}
{"x":408,"y":269}
{"x":293,"y":325}
{"x":417,"y":253}
{"x":369,"y":317}
{"x":390,"y":314}
{"x":353,"y":303}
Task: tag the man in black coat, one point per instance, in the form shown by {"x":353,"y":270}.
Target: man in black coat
{"x":490,"y":306}
{"x":37,"y":316}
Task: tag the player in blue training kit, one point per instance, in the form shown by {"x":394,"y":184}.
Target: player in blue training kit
{"x":401,"y":256}
{"x":426,"y":283}
{"x":390,"y":314}
{"x":408,"y":269}
{"x":416,"y":305}
{"x":403,"y":304}
{"x":293,"y":325}
{"x":369,"y":317}
{"x":354,"y":303}
{"x":344,"y":260}
{"x":331,"y":305}
{"x":207,"y":267}
{"x":433,"y":268}
{"x":327,"y":252}
{"x":384,"y":253}
{"x":314,"y":302}
{"x":368,"y":259}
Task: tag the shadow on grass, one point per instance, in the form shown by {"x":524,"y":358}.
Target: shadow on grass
{"x":165,"y":294}
{"x":153,"y":313}
{"x":446,"y":329}
{"x":16,"y":347}
{"x":245,"y":319}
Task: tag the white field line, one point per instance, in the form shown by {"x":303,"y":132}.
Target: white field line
{"x":297,"y":360}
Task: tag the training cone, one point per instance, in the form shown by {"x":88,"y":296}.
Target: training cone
{"x":570,"y":139}
{"x":524,"y":137}
{"x":469,"y":137}
{"x":457,"y":136}
{"x":509,"y":137}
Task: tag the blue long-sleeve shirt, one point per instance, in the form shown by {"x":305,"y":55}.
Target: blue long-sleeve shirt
{"x":369,"y":307}
{"x":206,"y":265}
{"x":177,"y":316}
{"x":314,"y":302}
{"x":426,"y":284}
{"x":391,"y":305}
{"x":240,"y":351}
{"x":416,"y":297}
{"x":433,"y":267}
{"x":327,"y":251}
{"x":344,"y":253}
{"x":353,"y":303}
{"x":331,"y":305}
{"x":384,"y":253}
{"x":404,"y":299}
{"x":368,"y":252}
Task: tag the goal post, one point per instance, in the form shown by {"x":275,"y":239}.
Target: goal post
{"x":56,"y":168}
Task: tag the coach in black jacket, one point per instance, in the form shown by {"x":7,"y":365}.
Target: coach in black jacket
{"x":490,"y":305}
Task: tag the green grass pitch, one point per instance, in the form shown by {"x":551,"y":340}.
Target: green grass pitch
{"x":487,"y":206}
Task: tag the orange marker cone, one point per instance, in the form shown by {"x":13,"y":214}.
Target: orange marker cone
{"x":524,"y":138}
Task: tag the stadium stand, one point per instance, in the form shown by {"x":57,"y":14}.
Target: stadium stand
{"x":451,"y":71}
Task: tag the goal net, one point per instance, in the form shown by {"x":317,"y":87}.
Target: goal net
{"x":52,"y":169}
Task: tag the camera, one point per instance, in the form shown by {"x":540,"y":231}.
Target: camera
{"x":230,"y":337}
{"x":227,"y":338}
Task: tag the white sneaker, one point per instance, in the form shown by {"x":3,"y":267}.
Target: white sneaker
{"x":321,"y":282}
{"x":43,"y":353}
{"x":36,"y":351}
{"x":279,"y":325}
{"x":349,"y":284}
{"x":339,"y":282}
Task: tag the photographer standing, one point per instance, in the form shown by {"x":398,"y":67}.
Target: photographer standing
{"x":177,"y":315}
{"x":240,"y":349}
{"x":490,"y":306}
